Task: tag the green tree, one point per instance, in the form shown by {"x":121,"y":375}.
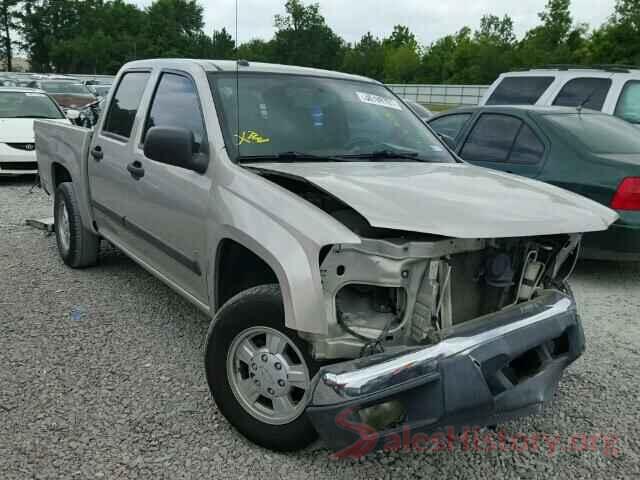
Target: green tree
{"x":173,"y":28}
{"x":401,"y":37}
{"x":366,"y":58}
{"x":224,"y":46}
{"x":556,"y":40}
{"x":304,"y":38}
{"x":257,"y":51}
{"x":401,"y":65}
{"x":617,"y":40}
{"x":401,"y":56}
{"x":8,"y":24}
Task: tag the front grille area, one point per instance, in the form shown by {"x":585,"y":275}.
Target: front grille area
{"x":25,"y":166}
{"x":29,"y":147}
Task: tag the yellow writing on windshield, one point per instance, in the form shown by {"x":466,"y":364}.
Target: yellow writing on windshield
{"x":251,"y":137}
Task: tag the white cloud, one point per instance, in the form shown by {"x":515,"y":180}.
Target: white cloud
{"x":428,"y":19}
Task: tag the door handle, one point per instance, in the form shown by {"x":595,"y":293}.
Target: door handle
{"x":96,"y":153}
{"x":136,"y":170}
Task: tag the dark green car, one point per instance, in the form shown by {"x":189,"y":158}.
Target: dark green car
{"x":587,"y":152}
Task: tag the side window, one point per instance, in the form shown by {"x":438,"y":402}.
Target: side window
{"x":491,"y":139}
{"x":528,"y":149}
{"x":628,"y":107}
{"x":450,"y":125}
{"x":590,"y":91}
{"x":175,"y":104}
{"x":125,"y":103}
{"x":519,"y":90}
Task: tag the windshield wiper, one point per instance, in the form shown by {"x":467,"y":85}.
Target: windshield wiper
{"x":291,"y":156}
{"x":386,"y":154}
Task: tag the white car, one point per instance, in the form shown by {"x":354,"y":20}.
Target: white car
{"x":19,"y":107}
{"x":611,"y":89}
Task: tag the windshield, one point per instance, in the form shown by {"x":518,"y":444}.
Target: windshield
{"x":319,"y":118}
{"x":599,"y":133}
{"x":27,"y":105}
{"x":67,"y":88}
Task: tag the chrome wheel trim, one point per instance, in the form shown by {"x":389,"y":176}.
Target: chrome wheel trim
{"x":62,"y":224}
{"x":268,"y":375}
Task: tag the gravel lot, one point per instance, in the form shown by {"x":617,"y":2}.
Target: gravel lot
{"x":102,"y":377}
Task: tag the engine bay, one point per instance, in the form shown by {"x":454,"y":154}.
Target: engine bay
{"x":411,"y":291}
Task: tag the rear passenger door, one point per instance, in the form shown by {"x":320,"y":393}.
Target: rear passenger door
{"x":114,"y":194}
{"x":504,"y":142}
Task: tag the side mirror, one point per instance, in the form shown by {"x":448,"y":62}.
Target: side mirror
{"x":72,"y":114}
{"x":174,"y":146}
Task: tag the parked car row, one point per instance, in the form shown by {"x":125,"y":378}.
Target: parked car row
{"x":19,"y":107}
{"x":72,"y":93}
{"x":26,"y":97}
{"x":611,"y":89}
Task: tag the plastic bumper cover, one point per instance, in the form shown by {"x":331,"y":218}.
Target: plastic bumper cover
{"x":486,"y":371}
{"x":14,"y":161}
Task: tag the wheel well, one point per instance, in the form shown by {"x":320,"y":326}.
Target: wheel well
{"x":239,"y":269}
{"x":59,"y":175}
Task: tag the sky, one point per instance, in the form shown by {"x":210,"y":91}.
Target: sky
{"x":428,"y":19}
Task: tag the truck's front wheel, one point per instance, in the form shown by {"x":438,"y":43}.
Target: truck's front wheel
{"x":77,"y":246}
{"x":259,"y":372}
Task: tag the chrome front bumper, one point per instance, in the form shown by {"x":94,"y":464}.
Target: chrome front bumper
{"x":484,"y":372}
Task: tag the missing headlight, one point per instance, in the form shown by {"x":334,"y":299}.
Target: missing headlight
{"x":369,"y":312}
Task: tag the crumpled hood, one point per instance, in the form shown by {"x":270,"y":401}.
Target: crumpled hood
{"x":20,"y":130}
{"x":453,"y":200}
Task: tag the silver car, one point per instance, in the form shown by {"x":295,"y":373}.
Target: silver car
{"x":359,"y":277}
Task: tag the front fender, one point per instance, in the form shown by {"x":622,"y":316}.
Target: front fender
{"x":288,"y":234}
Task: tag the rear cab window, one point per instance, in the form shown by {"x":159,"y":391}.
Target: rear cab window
{"x":589,"y":92}
{"x":124,"y":104}
{"x":520,"y":90}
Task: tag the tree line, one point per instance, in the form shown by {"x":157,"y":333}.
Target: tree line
{"x":98,"y":36}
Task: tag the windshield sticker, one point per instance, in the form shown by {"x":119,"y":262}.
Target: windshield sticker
{"x":317,"y":115}
{"x":437,"y":148}
{"x":252,"y":138}
{"x":264,"y":111}
{"x":378,"y":100}
{"x":35,"y":94}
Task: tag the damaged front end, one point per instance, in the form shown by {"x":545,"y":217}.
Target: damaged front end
{"x":441,"y":332}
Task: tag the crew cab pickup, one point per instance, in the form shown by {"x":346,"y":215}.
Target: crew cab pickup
{"x":359,"y":276}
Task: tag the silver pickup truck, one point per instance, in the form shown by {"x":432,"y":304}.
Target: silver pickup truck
{"x":359,"y":276}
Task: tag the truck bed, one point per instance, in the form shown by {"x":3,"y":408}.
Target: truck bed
{"x":61,"y":148}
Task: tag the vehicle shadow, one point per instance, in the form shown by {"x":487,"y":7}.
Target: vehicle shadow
{"x":605,"y":268}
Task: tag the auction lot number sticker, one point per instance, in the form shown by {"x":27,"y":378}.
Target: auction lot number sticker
{"x":378,"y":100}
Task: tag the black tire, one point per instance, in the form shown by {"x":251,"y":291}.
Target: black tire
{"x":257,"y":307}
{"x":83,"y":245}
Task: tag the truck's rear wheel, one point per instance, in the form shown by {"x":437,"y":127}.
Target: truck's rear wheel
{"x":77,"y":246}
{"x":259,"y":372}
